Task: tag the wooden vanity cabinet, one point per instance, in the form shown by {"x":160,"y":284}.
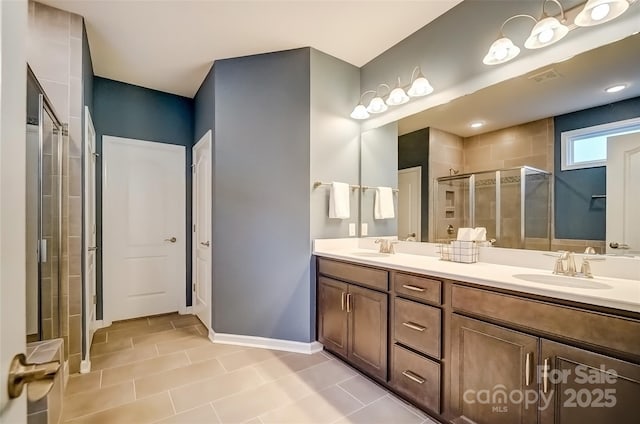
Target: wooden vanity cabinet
{"x":586,"y":387}
{"x":353,"y":320}
{"x":488,"y":360}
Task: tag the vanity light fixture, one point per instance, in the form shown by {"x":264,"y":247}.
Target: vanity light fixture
{"x":596,"y":12}
{"x":616,"y":88}
{"x":397,"y":96}
{"x":549,"y":29}
{"x":377,"y":104}
{"x":360,"y":111}
{"x":419,"y":86}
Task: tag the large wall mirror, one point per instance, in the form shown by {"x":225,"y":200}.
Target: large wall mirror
{"x":495,"y":159}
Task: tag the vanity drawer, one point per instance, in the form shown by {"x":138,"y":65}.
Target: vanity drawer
{"x":417,"y":326}
{"x":371,"y":277}
{"x":588,"y":327}
{"x":416,"y":377}
{"x":421,"y":288}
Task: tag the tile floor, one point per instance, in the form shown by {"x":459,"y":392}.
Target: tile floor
{"x":164,"y":369}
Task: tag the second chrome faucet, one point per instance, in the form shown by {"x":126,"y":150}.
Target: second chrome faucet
{"x":386,"y":246}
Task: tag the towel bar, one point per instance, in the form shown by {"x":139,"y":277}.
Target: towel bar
{"x":395,"y":190}
{"x":320,"y":183}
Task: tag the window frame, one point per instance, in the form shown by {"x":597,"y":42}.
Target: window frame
{"x":567,"y":139}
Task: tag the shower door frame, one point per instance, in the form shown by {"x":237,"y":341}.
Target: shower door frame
{"x":44,"y":106}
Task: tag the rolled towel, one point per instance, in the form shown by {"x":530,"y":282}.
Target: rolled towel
{"x":465,"y":234}
{"x":479,"y":234}
{"x":383,"y":203}
{"x":339,"y":201}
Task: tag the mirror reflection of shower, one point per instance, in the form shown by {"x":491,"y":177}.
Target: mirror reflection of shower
{"x":44,"y":214}
{"x":513,"y":204}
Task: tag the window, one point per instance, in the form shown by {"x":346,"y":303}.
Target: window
{"x":587,"y":147}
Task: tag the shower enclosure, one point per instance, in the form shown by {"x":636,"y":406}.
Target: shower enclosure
{"x":44,"y":143}
{"x":513,"y":204}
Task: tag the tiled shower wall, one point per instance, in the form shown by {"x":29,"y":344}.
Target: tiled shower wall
{"x":55,"y":54}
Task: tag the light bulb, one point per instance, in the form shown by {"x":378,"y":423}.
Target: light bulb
{"x":397,"y":97}
{"x":360,"y":112}
{"x":545,"y":36}
{"x":500,"y":53}
{"x":377,"y":105}
{"x":600,"y":11}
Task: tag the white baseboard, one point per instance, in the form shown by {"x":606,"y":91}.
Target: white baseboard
{"x":187,"y":310}
{"x":265,"y":343}
{"x":98,"y":324}
{"x":85,"y":366}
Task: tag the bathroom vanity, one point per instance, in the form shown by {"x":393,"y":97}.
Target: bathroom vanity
{"x":468,"y":350}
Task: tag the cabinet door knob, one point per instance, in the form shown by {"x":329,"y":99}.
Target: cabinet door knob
{"x":205,"y":243}
{"x":171,"y":240}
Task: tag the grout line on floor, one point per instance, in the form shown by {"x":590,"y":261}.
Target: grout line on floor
{"x":406,"y":406}
{"x":135,"y":395}
{"x":350,"y":394}
{"x":215,"y":412}
{"x":173,"y":406}
{"x":100,"y":385}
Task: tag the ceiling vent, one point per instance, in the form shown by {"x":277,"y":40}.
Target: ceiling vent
{"x":544,"y":76}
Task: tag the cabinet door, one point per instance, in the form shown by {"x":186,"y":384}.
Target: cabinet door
{"x":332,"y":315}
{"x":586,"y":387}
{"x":368,"y":330}
{"x":492,"y":373}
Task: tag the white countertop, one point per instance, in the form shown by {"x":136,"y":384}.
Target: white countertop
{"x":615,"y":293}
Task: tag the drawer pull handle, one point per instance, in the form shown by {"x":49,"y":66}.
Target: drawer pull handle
{"x":527,"y":368}
{"x":414,"y":326}
{"x":413,"y":377}
{"x":413,"y":288}
{"x":545,"y":376}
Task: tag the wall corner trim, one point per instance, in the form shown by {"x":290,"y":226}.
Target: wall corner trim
{"x":265,"y":343}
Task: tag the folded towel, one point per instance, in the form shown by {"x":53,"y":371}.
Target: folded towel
{"x":339,"y":201}
{"x":383,"y":204}
{"x":465,"y":234}
{"x":479,"y":234}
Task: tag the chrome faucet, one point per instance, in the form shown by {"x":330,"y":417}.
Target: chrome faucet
{"x":386,"y":246}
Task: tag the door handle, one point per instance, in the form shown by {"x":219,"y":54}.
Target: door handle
{"x":528,"y":363}
{"x":348,"y":302}
{"x":92,"y":248}
{"x":172,"y":239}
{"x":39,"y":375}
{"x":616,"y":245}
{"x":205,"y":243}
{"x":342,"y":300}
{"x":545,"y":375}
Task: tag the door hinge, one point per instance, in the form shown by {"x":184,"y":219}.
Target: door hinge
{"x":94,"y":299}
{"x":194,"y":287}
{"x":194,"y":228}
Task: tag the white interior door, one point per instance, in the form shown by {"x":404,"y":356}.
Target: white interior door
{"x":144,"y":250}
{"x":202,"y":229}
{"x":89,"y":234}
{"x":623,"y":202}
{"x":13,"y":120}
{"x":409,"y":202}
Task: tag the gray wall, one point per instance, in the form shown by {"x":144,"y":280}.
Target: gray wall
{"x":261,"y":233}
{"x":379,"y":167}
{"x":124,"y":110}
{"x":335,"y":140}
{"x":204,"y":107}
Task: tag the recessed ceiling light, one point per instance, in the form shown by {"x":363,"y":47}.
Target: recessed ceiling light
{"x":476,"y":124}
{"x":616,"y":88}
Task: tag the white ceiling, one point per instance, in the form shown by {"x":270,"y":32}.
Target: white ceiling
{"x":169,"y":45}
{"x":580,"y":84}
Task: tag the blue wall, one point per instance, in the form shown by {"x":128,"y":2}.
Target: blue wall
{"x":124,"y":110}
{"x":204,"y":107}
{"x":261,"y":233}
{"x":577,"y":216}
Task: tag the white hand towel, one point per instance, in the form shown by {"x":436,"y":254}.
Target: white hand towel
{"x":339,"y":201}
{"x":479,"y":234}
{"x":383,"y":204}
{"x":465,"y":234}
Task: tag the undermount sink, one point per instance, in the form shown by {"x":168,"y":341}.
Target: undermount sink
{"x":560,"y":280}
{"x":371,"y":254}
